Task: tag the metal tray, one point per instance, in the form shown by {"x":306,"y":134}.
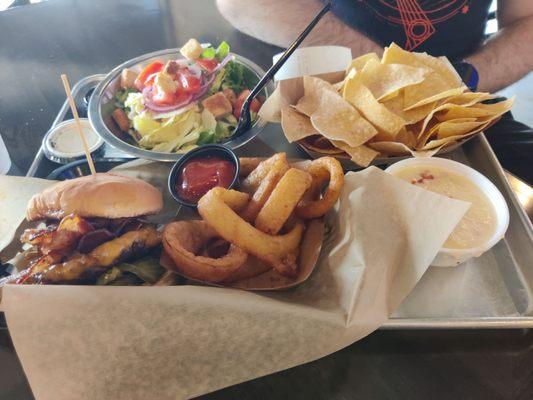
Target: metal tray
{"x":492,"y":291}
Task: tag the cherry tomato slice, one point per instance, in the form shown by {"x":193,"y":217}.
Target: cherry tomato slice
{"x":208,"y":65}
{"x":189,"y":83}
{"x":255,"y":105}
{"x":163,"y":98}
{"x":149,"y":70}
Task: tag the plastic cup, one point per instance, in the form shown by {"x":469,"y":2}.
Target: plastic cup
{"x":5,"y":161}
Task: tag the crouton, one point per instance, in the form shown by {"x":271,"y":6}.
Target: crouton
{"x":171,"y":67}
{"x":165,"y":83}
{"x":218,"y":104}
{"x":127,"y":78}
{"x":192,"y":49}
{"x":121,"y":119}
{"x":230,"y":94}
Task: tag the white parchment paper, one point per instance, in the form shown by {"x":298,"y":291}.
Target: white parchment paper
{"x":87,"y":342}
{"x":15,"y":192}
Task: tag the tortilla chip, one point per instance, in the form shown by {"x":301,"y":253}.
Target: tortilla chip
{"x":391,"y":96}
{"x":499,"y":108}
{"x":396,"y":105}
{"x":386,"y":79}
{"x":313,"y":88}
{"x":440,"y":142}
{"x":460,"y":126}
{"x":426,"y":100}
{"x":361,"y":155}
{"x":431,"y":152}
{"x":389,"y":148}
{"x":336,"y":119}
{"x":359,"y":63}
{"x":362,"y":99}
{"x":321,"y":145}
{"x":296,"y":126}
{"x":457,"y":127}
{"x":442,"y":77}
{"x":406,"y":137}
{"x":469,"y":98}
{"x":481,"y":110}
{"x":394,"y":54}
{"x":429,"y":118}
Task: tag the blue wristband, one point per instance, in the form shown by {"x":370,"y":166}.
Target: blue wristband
{"x":468,"y":74}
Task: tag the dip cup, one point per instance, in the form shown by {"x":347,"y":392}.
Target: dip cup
{"x":208,"y":150}
{"x":447,"y":257}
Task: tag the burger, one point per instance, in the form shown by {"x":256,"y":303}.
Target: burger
{"x":91,"y":224}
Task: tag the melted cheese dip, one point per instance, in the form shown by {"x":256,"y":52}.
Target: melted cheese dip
{"x":479,"y":222}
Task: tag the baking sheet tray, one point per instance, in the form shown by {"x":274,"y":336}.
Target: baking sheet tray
{"x":492,"y":291}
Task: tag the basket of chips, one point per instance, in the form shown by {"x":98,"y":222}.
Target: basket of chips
{"x":404,"y":104}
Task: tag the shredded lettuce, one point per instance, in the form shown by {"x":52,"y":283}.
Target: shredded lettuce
{"x":217,"y":83}
{"x":121,"y":96}
{"x":206,"y":137}
{"x":134,"y":102}
{"x":179,"y":131}
{"x":145,"y":124}
{"x":209,"y":122}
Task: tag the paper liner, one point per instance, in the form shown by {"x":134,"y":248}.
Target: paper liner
{"x":94,"y":342}
{"x":14,"y":197}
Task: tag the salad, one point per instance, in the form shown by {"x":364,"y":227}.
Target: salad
{"x":186,"y":102}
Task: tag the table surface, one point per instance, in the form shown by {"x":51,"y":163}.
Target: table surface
{"x":80,"y":38}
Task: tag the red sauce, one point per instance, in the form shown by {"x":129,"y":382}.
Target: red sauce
{"x":200,"y":175}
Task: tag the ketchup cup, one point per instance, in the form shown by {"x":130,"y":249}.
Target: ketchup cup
{"x":203,"y":152}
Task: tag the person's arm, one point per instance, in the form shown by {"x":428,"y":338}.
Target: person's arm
{"x":508,"y":55}
{"x":279,"y":22}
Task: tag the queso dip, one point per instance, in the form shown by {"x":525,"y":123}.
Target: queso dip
{"x":479,"y":222}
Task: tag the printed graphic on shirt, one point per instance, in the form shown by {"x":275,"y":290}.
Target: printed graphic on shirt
{"x":419,"y":18}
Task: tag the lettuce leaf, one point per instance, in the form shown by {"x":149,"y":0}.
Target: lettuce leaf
{"x":209,"y":53}
{"x":233,"y":77}
{"x":220,"y":53}
{"x":145,"y":270}
{"x":222,"y":50}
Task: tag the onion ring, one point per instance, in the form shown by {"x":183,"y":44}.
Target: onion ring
{"x":247,"y":165}
{"x":262,"y":182}
{"x":255,"y":178}
{"x":316,"y":208}
{"x":182,"y":242}
{"x":217,"y":208}
{"x":282,"y":201}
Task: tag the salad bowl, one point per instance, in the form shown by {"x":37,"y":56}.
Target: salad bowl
{"x":103,"y":102}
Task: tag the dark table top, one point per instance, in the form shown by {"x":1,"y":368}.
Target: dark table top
{"x":80,"y":38}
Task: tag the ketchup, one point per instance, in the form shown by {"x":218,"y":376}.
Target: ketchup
{"x":199,"y":175}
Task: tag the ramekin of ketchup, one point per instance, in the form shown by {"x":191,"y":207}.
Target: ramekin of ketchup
{"x":200,"y":170}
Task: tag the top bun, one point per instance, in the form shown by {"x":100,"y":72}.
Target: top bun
{"x":102,"y":195}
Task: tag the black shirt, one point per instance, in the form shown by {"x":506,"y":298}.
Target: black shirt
{"x":454,"y":28}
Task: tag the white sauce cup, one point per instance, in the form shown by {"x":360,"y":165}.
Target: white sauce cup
{"x":447,"y":257}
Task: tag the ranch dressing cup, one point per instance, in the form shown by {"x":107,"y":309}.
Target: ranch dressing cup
{"x":5,"y":161}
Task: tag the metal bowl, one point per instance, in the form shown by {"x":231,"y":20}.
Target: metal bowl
{"x":101,"y":106}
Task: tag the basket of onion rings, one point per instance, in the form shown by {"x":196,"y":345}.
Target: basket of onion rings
{"x":266,"y":234}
